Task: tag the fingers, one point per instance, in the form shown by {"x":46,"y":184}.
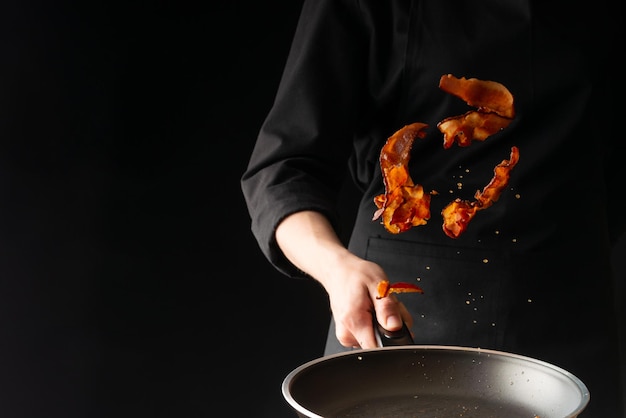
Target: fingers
{"x":358,"y":331}
{"x":391,"y":313}
{"x":352,"y":286}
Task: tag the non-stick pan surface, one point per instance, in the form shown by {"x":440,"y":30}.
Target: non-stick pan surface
{"x":433,"y":381}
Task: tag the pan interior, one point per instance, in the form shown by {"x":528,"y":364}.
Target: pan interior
{"x":433,"y":406}
{"x":433,"y":382}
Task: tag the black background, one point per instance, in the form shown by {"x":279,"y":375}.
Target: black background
{"x":130,"y":284}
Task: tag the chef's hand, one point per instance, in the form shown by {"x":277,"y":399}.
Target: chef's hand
{"x":352,"y":291}
{"x":308,"y":240}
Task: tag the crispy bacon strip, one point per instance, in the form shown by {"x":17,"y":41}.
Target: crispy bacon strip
{"x":385,"y":289}
{"x":495,"y":110}
{"x":488,"y":96}
{"x":404,"y":203}
{"x":458,"y":214}
{"x":472,"y":125}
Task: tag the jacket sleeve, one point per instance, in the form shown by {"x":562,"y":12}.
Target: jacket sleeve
{"x":303,"y":146}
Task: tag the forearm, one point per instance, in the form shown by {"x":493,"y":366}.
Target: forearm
{"x":309,"y":241}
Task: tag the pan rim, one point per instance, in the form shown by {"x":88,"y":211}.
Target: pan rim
{"x":289,"y":378}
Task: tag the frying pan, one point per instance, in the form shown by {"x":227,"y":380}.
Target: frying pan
{"x":432,"y":381}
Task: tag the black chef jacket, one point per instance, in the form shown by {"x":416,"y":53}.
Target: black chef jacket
{"x":531,"y":274}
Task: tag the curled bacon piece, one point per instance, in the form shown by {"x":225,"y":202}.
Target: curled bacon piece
{"x":488,"y":96}
{"x":458,"y":214}
{"x":404,"y":203}
{"x":385,"y":289}
{"x":495,"y":110}
{"x":472,"y":125}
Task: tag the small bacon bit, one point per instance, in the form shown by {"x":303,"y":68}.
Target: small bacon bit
{"x":385,"y":289}
{"x":458,"y":214}
{"x":404,"y":204}
{"x":488,"y":96}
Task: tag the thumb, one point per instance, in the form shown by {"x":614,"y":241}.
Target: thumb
{"x":388,"y":317}
{"x":392,"y":322}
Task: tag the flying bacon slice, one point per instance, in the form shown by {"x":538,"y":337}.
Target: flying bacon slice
{"x":458,"y":214}
{"x":404,"y":203}
{"x":488,"y":96}
{"x":472,"y":125}
{"x":495,"y":110}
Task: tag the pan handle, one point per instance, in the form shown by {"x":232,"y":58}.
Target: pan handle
{"x":386,"y":338}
